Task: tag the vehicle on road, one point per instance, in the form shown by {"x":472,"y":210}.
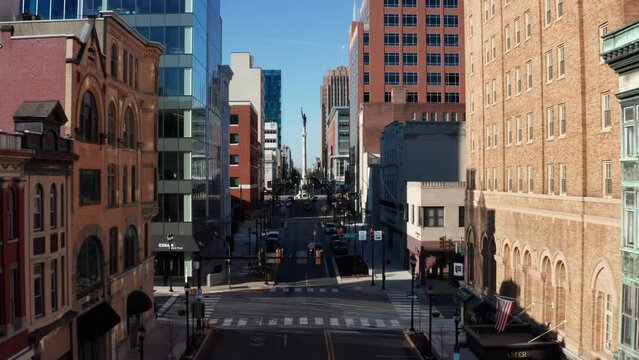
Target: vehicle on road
{"x":308,"y":206}
{"x":330,"y":228}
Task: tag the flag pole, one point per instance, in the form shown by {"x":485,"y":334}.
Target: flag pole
{"x":516,"y":317}
{"x":549,"y":330}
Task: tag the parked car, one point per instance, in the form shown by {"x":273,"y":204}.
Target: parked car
{"x":330,"y":228}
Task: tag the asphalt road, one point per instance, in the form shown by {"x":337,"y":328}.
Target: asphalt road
{"x":307,"y":315}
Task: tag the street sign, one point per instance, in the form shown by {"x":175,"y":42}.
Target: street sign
{"x":198,"y":294}
{"x":362,"y":235}
{"x":458,"y":269}
{"x":378,"y":235}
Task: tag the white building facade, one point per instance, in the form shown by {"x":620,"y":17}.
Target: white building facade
{"x":271,"y":154}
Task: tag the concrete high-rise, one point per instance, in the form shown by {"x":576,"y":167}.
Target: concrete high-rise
{"x":273,"y":99}
{"x":543,"y":200}
{"x":333,"y":93}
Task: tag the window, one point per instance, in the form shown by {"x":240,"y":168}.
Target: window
{"x":606,"y":111}
{"x":629,"y":218}
{"x":111,"y":188}
{"x":89,"y":186}
{"x":367,"y":78}
{"x":560,"y":9}
{"x":38,"y":208}
{"x":489,"y":181}
{"x":367,"y":58}
{"x":235,"y":138}
{"x":89,"y":265}
{"x":409,"y":39}
{"x":487,"y":93}
{"x":450,"y":4}
{"x":628,"y":146}
{"x":391,"y":78}
{"x":452,"y":78}
{"x":452,"y":97}
{"x":548,"y":11}
{"x":62,"y":206}
{"x":432,"y":3}
{"x":529,"y":120}
{"x":472,"y":140}
{"x":518,"y":80}
{"x":89,"y":118}
{"x":507,"y":37}
{"x":520,"y":179}
{"x":367,"y":96}
{"x":391,"y":39}
{"x":433,"y":20}
{"x":235,"y":182}
{"x":434,"y":78}
{"x":131,"y":253}
{"x":14,"y":290}
{"x":391,"y":20}
{"x":409,"y":20}
{"x":409,"y":3}
{"x":114,"y":61}
{"x":493,"y":47}
{"x":410,"y":59}
{"x":366,"y":38}
{"x":607,"y":176}
{"x":11,"y":214}
{"x":38,"y":290}
{"x":510,"y":179}
{"x":608,"y":323}
{"x":562,"y":119}
{"x":411,"y":97}
{"x":508,"y":86}
{"x":550,"y":122}
{"x":472,"y":64}
{"x":561,"y":62}
{"x":125,"y":185}
{"x":470,"y":25}
{"x":54,"y":284}
{"x":603,"y":31}
{"x":551,"y":179}
{"x":549,"y":73}
{"x":528,"y":24}
{"x":391,"y":58}
{"x":113,"y":250}
{"x":235,"y":160}
{"x":111,"y":124}
{"x":391,"y":3}
{"x":563,"y":181}
{"x":451,"y":40}
{"x":509,"y":132}
{"x":451,"y":21}
{"x":488,"y":137}
{"x":517,"y":32}
{"x":433,"y":40}
{"x":387,"y":96}
{"x":495,"y":180}
{"x":451,"y":59}
{"x":494,"y":86}
{"x":492,"y":7}
{"x":494,"y":135}
{"x":128,"y":132}
{"x":433,"y":216}
{"x":520,"y":130}
{"x":487,"y":52}
{"x":53,"y":207}
{"x":134,"y":183}
{"x":529,"y":78}
{"x":531,"y":187}
{"x":461,"y":217}
{"x":433,"y":97}
{"x":433,"y":59}
{"x":486,"y":11}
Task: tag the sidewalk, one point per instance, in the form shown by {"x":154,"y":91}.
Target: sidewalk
{"x":161,"y":339}
{"x":398,"y":280}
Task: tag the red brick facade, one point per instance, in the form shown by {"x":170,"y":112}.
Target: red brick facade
{"x":244,"y":173}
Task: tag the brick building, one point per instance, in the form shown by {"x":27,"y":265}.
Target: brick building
{"x":333,"y":92}
{"x":104,"y":75}
{"x":542,"y":205}
{"x":244,"y":149}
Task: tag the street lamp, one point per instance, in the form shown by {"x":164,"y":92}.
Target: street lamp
{"x":430,"y":293}
{"x":169,"y":239}
{"x":412,"y":261}
{"x":141,"y":336}
{"x":456,"y":348}
{"x":187,"y":290}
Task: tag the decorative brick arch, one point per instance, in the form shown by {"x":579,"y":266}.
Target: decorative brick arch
{"x":90,"y":83}
{"x":602,"y":271}
{"x":558,"y":258}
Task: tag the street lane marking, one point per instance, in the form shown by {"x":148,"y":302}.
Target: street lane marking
{"x":288,"y":321}
{"x":364,"y":322}
{"x":380,"y":323}
{"x":286,"y":289}
{"x":319,"y":321}
{"x":310,"y":289}
{"x":350,"y":322}
{"x":322,"y":290}
{"x":272,"y":289}
{"x":330,"y":352}
{"x":298,"y":290}
{"x":272,"y":322}
{"x":241,"y":322}
{"x":213,"y":321}
{"x":334,"y":290}
{"x":227,"y":322}
{"x":303,"y":321}
{"x":394,"y":323}
{"x":334,"y":322}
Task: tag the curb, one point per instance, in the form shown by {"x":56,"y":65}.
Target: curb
{"x":412,"y":346}
{"x":206,"y":338}
{"x":337,"y":276}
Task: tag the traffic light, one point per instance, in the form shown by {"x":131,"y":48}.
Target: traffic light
{"x":442,"y":242}
{"x":318,"y":257}
{"x":340,"y":233}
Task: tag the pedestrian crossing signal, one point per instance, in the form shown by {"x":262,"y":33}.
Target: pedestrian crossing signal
{"x":278,"y":255}
{"x":318,"y":257}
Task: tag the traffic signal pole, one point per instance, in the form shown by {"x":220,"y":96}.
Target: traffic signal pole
{"x":372,"y":257}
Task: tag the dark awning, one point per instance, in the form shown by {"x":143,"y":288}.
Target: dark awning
{"x":97,"y":321}
{"x":138,"y":302}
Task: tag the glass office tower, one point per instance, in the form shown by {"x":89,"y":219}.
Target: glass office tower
{"x":273,"y":99}
{"x":192,"y":119}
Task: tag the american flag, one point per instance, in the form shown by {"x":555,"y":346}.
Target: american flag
{"x":504,"y":307}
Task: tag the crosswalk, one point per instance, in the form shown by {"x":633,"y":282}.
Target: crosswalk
{"x":308,"y":289}
{"x":401,"y":304}
{"x":304,"y":321}
{"x":210,"y":301}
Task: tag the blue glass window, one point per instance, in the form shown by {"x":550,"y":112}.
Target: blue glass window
{"x":391,"y":39}
{"x":391,"y":58}
{"x":409,"y":39}
{"x":91,"y":7}
{"x":366,"y":58}
{"x":391,"y":3}
{"x":366,"y":78}
{"x":433,"y":97}
{"x":452,"y":59}
{"x":409,"y":3}
{"x":452,"y":97}
{"x":451,"y":21}
{"x":451,"y":39}
{"x":452,"y":78}
{"x":433,"y":78}
{"x":43,"y":8}
{"x":451,"y":4}
{"x":29,"y":6}
{"x":433,"y":20}
{"x":432,"y":3}
{"x":57,"y":9}
{"x":433,"y":59}
{"x":409,"y":20}
{"x":433,"y":40}
{"x":410,"y":59}
{"x":71,"y":10}
{"x":391,"y":20}
{"x":411,"y":97}
{"x":410,"y":78}
{"x":366,"y":38}
{"x":391,"y":78}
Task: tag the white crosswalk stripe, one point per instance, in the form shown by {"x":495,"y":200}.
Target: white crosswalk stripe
{"x":364,"y":322}
{"x":241,"y":322}
{"x":303,"y":321}
{"x":272,"y":322}
{"x":288,"y":321}
{"x":350,"y":322}
{"x":310,"y":289}
{"x":395,"y":323}
{"x":322,"y":290}
{"x":334,"y":290}
{"x":227,"y":322}
{"x":286,"y":289}
{"x":306,"y":321}
{"x":380,"y":323}
{"x":319,"y":321}
{"x":334,"y":322}
{"x":298,"y":290}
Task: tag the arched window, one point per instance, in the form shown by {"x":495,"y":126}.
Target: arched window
{"x":89,"y":118}
{"x":128,"y":132}
{"x":11,"y":214}
{"x":131,"y":247}
{"x":89,"y":265}
{"x":114,"y":61}
{"x":62,"y":205}
{"x":38,"y":208}
{"x":53,"y":207}
{"x":111,"y":120}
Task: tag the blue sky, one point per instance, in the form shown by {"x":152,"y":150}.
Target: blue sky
{"x":303,"y":38}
